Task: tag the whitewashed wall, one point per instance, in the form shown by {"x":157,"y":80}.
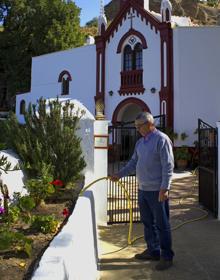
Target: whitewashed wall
{"x":13,"y":179}
{"x":151,"y":66}
{"x":197,"y":78}
{"x":79,"y":62}
{"x":73,"y":253}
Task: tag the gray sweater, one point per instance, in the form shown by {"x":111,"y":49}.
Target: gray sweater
{"x":153,"y":162}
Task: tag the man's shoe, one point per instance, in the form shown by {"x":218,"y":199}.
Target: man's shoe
{"x":146,"y":256}
{"x":164,"y":264}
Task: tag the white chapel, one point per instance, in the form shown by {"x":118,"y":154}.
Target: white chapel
{"x":143,"y":60}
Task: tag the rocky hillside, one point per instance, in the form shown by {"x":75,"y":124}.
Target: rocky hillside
{"x":199,"y":13}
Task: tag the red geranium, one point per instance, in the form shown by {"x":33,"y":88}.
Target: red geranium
{"x":57,"y":183}
{"x":66,"y":212}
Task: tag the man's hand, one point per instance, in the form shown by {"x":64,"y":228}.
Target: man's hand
{"x":114,"y":178}
{"x":163,"y":195}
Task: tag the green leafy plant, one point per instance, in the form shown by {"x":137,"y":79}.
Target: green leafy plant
{"x":15,"y":241}
{"x":44,"y":224}
{"x":182,"y":153}
{"x":26,"y":203}
{"x":40,"y":188}
{"x":14,"y":214}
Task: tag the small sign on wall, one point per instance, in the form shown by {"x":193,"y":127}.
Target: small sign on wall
{"x":101,"y":141}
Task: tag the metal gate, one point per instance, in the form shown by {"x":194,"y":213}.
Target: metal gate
{"x":208,"y":179}
{"x":122,"y":139}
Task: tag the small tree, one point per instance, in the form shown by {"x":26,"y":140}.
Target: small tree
{"x":48,"y":138}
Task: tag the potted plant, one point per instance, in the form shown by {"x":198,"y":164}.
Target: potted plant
{"x":181,"y":154}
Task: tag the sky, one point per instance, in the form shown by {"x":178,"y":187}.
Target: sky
{"x":89,"y":9}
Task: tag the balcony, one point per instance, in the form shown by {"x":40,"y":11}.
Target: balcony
{"x":131,"y":82}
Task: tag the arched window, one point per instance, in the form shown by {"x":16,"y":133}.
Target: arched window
{"x":167,"y":15}
{"x":128,"y":58}
{"x":65,"y":86}
{"x":64,"y":79}
{"x":22,"y":107}
{"x":132,"y":72}
{"x":133,"y":59}
{"x":138,"y":56}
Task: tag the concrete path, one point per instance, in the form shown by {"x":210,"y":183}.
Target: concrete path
{"x":196,"y":244}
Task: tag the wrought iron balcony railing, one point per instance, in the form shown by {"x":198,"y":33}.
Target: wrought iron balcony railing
{"x":131,"y":82}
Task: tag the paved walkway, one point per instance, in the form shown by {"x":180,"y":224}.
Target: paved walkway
{"x":196,"y":244}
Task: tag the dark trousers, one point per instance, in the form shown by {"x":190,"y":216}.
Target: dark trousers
{"x":155,"y":217}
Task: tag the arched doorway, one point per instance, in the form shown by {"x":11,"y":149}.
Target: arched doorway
{"x":127,"y":110}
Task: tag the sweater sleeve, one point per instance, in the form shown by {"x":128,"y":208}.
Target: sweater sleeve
{"x":167,"y":163}
{"x":130,"y":167}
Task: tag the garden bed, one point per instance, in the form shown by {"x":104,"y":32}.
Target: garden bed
{"x":18,"y":263}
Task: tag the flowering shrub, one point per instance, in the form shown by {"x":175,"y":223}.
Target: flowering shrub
{"x":57,"y":183}
{"x":66,"y":212}
{"x":39,"y":188}
{"x":2,"y":210}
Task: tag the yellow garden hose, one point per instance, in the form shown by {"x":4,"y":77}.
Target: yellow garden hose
{"x":128,"y":199}
{"x":130,"y":240}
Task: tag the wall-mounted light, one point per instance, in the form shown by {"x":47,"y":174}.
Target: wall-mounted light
{"x":153,"y":90}
{"x":110,"y":92}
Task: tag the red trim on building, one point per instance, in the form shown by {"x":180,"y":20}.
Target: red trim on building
{"x":130,"y":100}
{"x":166,"y":34}
{"x":64,"y":72}
{"x":129,"y":33}
{"x":166,"y":92}
{"x":100,"y":50}
{"x":154,"y":22}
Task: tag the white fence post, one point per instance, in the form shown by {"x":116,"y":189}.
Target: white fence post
{"x":100,"y":169}
{"x":218,"y":171}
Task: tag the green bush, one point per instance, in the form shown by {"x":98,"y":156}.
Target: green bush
{"x":26,"y":203}
{"x":3,"y":139}
{"x":48,"y":138}
{"x":40,"y":187}
{"x":45,"y":224}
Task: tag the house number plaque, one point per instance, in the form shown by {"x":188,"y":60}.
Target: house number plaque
{"x":101,"y":141}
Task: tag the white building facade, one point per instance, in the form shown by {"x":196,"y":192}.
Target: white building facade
{"x":142,"y":61}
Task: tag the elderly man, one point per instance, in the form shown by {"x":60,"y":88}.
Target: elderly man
{"x":153,"y":161}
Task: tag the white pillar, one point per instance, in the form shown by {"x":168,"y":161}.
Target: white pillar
{"x":100,"y":169}
{"x":146,"y":5}
{"x":218,"y":145}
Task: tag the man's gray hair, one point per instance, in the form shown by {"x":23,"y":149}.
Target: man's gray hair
{"x":145,"y":117}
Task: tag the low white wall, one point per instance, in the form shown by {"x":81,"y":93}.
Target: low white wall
{"x":73,"y":252}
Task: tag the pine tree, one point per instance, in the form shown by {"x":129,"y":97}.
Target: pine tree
{"x":48,"y":138}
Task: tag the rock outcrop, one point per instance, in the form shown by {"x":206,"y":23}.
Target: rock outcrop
{"x":199,"y":13}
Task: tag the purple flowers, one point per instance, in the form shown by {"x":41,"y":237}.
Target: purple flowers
{"x":2,"y":210}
